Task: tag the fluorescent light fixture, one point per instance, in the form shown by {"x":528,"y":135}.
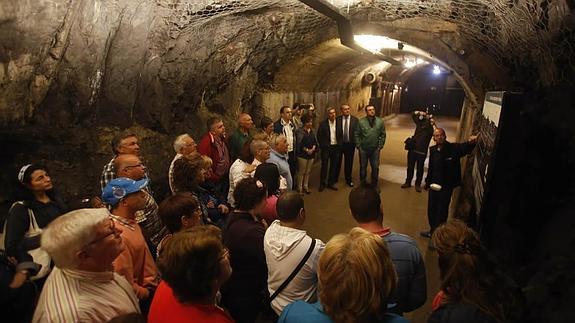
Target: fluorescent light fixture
{"x":412,"y":62}
{"x":409,"y":64}
{"x":375,"y":43}
{"x":341,"y":3}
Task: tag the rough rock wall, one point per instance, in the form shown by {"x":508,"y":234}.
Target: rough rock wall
{"x":74,"y":72}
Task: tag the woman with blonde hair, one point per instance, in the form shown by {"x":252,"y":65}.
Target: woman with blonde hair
{"x":471,"y":289}
{"x":356,"y":278}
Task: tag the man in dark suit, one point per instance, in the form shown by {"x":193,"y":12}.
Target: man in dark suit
{"x":285,"y":126}
{"x":345,"y":130}
{"x":443,"y":175}
{"x":329,"y":151}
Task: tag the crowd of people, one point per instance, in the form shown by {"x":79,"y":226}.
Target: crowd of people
{"x":229,"y":244}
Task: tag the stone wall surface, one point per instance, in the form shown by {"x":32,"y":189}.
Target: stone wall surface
{"x":81,"y":70}
{"x":75,"y":72}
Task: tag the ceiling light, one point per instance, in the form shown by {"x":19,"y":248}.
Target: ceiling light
{"x":374,"y":43}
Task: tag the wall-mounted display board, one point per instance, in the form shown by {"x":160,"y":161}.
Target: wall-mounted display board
{"x":495,"y":158}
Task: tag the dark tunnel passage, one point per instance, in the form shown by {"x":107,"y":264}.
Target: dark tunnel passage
{"x":74,"y":73}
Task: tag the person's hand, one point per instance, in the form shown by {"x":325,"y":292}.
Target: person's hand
{"x":223,"y":209}
{"x":12,"y":260}
{"x":472,"y":139}
{"x":96,"y":202}
{"x":18,"y":280}
{"x":210,"y":205}
{"x":264,"y":222}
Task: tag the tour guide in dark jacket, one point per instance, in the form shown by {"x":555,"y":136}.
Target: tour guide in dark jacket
{"x":444,"y":171}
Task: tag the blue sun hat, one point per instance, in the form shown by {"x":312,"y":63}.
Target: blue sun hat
{"x":118,"y":188}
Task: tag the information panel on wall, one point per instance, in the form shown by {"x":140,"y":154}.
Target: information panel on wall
{"x":488,"y":126}
{"x":495,"y":161}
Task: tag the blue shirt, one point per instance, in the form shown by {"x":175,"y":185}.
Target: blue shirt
{"x":302,"y":312}
{"x":281,"y":161}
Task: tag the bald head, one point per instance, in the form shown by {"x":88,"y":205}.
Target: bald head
{"x":129,"y":166}
{"x":439,"y":136}
{"x":260,"y":149}
{"x":245,"y":122}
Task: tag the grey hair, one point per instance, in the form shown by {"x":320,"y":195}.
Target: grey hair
{"x":256,"y":144}
{"x":275,"y":138}
{"x":69,"y":233}
{"x":179,"y":142}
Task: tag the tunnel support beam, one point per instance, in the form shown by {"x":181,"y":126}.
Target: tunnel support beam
{"x":344,"y":28}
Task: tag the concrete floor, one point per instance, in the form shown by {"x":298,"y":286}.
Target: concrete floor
{"x":404,"y":209}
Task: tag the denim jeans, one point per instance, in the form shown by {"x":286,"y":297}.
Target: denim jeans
{"x":373,"y":157}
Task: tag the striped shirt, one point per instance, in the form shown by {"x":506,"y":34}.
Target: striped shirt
{"x":171,"y":173}
{"x":84,"y":296}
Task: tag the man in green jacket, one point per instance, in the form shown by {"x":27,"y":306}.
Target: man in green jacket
{"x":240,"y":136}
{"x":370,"y":138}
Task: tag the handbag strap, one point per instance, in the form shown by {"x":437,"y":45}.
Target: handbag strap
{"x":295,"y":271}
{"x":33,"y":224}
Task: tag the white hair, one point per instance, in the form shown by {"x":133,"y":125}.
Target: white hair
{"x":179,"y":142}
{"x":275,"y":138}
{"x":69,"y":233}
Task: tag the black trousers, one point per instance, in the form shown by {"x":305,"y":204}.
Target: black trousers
{"x":438,"y":207}
{"x":292,"y":161}
{"x":346,"y":156}
{"x":329,"y":165}
{"x":413,"y":159}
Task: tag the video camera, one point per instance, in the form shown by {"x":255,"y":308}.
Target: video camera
{"x":432,"y":109}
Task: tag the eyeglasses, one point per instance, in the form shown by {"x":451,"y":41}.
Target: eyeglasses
{"x":113,"y":230}
{"x":134,"y":166}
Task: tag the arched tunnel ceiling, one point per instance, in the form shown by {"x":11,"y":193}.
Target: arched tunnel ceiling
{"x":489,"y":36}
{"x":158,"y":60}
{"x":327,"y":66}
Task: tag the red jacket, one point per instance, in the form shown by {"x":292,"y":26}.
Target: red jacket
{"x":207,"y":147}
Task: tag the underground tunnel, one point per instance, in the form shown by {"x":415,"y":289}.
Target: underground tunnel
{"x":74,"y":73}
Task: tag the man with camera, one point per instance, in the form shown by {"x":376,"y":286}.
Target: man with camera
{"x":416,"y":147}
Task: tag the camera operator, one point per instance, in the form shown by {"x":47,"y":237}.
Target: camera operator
{"x":417,"y":145}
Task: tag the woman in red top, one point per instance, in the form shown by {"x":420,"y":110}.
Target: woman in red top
{"x":194,"y":265}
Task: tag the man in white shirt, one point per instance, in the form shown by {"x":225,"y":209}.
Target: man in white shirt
{"x":184,"y":145}
{"x":83,"y":286}
{"x":285,"y":245}
{"x":346,"y":125}
{"x":329,"y":151}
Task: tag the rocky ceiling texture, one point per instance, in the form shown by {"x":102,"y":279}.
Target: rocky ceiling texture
{"x":124,"y":61}
{"x":74,"y":71}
